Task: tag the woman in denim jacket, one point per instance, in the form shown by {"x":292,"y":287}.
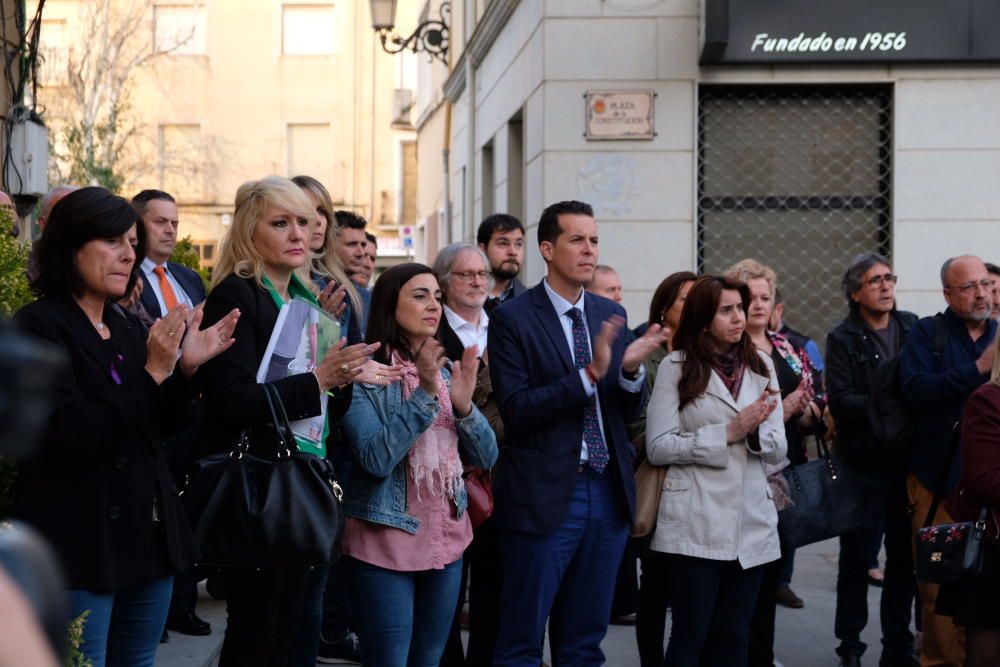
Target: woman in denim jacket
{"x":407,"y":526}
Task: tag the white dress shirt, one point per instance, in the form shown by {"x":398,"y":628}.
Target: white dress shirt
{"x":562,"y":307}
{"x":153,"y":283}
{"x":468,"y":332}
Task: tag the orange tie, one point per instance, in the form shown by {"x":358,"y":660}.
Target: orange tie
{"x":169,"y":298}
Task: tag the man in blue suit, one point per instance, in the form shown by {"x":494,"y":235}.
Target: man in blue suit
{"x":166,"y":283}
{"x":566,"y":383}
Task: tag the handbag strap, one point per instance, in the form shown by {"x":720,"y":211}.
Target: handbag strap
{"x":956,"y":438}
{"x":282,"y":428}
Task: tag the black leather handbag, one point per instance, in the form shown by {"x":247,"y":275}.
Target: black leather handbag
{"x":248,"y":511}
{"x":826,"y":500}
{"x":949,"y":552}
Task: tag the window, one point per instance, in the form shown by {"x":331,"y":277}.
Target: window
{"x":180,"y":152}
{"x":311,"y":152}
{"x":307,"y":30}
{"x":53,"y":52}
{"x":206,"y":252}
{"x":798,"y":178}
{"x":179,"y":29}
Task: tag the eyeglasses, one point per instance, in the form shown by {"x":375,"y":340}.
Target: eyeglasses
{"x":965,"y":288}
{"x":467,"y":276}
{"x":877,"y":281}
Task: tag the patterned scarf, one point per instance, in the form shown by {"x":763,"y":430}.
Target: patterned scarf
{"x":433,"y":459}
{"x":729,"y":365}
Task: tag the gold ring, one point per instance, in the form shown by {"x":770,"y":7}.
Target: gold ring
{"x":378,"y":376}
{"x":345,"y":368}
{"x":221,"y":341}
{"x":171,"y":333}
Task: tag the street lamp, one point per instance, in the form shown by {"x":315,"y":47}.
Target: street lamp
{"x":431,"y":36}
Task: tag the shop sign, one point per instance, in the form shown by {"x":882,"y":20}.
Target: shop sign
{"x":620,"y":114}
{"x":850,"y":31}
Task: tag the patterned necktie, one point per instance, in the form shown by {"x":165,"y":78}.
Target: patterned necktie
{"x":169,"y":298}
{"x":597,"y":449}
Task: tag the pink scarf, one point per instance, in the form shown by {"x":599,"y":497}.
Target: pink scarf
{"x":433,"y":459}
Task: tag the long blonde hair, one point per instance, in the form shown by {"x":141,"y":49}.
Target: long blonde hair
{"x":238,"y":253}
{"x":327,"y":262}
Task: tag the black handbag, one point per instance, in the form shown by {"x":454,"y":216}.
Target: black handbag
{"x":949,"y":552}
{"x":826,"y":500}
{"x":249,"y":511}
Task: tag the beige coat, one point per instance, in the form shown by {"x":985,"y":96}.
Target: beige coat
{"x":716,"y":502}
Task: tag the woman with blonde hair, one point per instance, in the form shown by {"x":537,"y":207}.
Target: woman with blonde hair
{"x":260,"y":268}
{"x":337,"y":293}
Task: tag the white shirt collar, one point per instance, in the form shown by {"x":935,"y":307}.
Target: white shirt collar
{"x":458,"y":322}
{"x":559,"y":303}
{"x":148,"y":265}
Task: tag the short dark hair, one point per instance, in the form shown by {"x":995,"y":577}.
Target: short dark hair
{"x":372,"y":238}
{"x":498,"y":222}
{"x":778,"y":299}
{"x":548,"y":225}
{"x":382,"y":326}
{"x":140,"y":200}
{"x":78,"y":218}
{"x":349,"y":219}
{"x":992,"y":269}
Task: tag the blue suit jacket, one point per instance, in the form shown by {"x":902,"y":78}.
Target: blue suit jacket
{"x":542,"y":400}
{"x":189,"y":281}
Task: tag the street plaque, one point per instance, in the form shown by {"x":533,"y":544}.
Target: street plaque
{"x":614,"y":115}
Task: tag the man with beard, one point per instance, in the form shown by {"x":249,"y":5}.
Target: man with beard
{"x":501,"y":237}
{"x":935,"y":388}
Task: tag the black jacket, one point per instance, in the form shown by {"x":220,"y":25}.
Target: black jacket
{"x":90,"y":489}
{"x":233,"y":400}
{"x":851,"y":356}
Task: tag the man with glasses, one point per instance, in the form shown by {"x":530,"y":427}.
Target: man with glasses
{"x":872,"y":334}
{"x":935,"y":388}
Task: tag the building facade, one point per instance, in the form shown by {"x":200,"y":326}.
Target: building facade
{"x":704,"y":132}
{"x":237,"y":90}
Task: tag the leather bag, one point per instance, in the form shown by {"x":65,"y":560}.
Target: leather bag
{"x":648,"y":489}
{"x":826,"y":500}
{"x":479,"y":490}
{"x":249,"y":511}
{"x":949,"y":552}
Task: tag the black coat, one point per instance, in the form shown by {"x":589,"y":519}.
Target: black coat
{"x":90,"y":488}
{"x":851,"y":356}
{"x":233,"y":400}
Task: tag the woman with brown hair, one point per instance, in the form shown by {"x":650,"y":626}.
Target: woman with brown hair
{"x":654,"y":597}
{"x":714,"y":419}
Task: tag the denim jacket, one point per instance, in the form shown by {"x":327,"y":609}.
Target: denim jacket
{"x":380,"y":428}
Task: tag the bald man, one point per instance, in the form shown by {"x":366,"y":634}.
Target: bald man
{"x":945,"y":358}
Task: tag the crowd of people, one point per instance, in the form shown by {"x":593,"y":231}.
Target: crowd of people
{"x":455,"y":383}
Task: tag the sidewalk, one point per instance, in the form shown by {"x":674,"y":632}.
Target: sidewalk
{"x":803,"y":637}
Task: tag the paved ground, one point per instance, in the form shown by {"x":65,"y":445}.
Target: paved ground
{"x":804,"y":637}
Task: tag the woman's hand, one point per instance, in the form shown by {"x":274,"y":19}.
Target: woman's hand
{"x":372,"y":372}
{"x":429,"y":360}
{"x":796,"y":402}
{"x":463,"y":381}
{"x":333,"y":299}
{"x":750,"y":417}
{"x":342,"y":364}
{"x":163,"y":342}
{"x":201,"y":345}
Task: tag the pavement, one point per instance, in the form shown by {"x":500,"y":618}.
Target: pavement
{"x":803,"y":637}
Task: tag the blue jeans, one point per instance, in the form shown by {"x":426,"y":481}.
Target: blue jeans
{"x":568,"y":574}
{"x":404,"y":617}
{"x":713,"y":602}
{"x":123,"y":628}
{"x":305,"y":646}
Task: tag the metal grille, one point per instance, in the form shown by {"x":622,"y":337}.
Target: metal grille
{"x":797,"y":178}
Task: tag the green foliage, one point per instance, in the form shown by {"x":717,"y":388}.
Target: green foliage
{"x":82,"y":146}
{"x":14,"y":290}
{"x":74,"y":638}
{"x":186,"y":255}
